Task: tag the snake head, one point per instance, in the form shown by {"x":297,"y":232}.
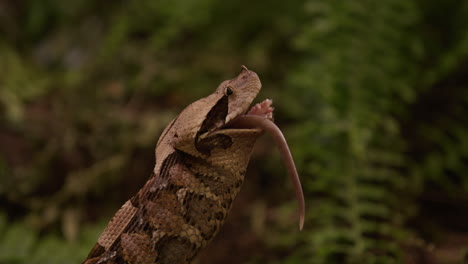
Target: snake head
{"x":233,"y":98}
{"x":197,"y":121}
{"x":240,"y":91}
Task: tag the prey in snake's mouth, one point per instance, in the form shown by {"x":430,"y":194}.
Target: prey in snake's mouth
{"x":230,"y":113}
{"x":260,"y":116}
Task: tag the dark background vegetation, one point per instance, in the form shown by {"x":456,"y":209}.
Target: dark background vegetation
{"x":372,"y":96}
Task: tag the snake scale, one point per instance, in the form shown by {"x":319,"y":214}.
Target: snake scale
{"x":201,"y":160}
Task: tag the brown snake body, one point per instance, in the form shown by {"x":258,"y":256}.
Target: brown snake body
{"x":201,"y":159}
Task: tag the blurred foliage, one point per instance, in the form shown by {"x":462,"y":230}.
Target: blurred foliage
{"x":372,"y":97}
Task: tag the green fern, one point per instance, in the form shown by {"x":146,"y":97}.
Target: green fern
{"x":437,"y":121}
{"x":355,"y":53}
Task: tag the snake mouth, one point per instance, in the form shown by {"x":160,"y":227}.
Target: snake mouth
{"x":262,"y":109}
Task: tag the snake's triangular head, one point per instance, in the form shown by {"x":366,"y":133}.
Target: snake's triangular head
{"x":242,"y":91}
{"x":231,"y":99}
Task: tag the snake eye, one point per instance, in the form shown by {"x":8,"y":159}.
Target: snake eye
{"x":229,"y":91}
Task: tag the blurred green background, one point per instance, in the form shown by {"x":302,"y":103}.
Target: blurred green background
{"x":372,"y":96}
